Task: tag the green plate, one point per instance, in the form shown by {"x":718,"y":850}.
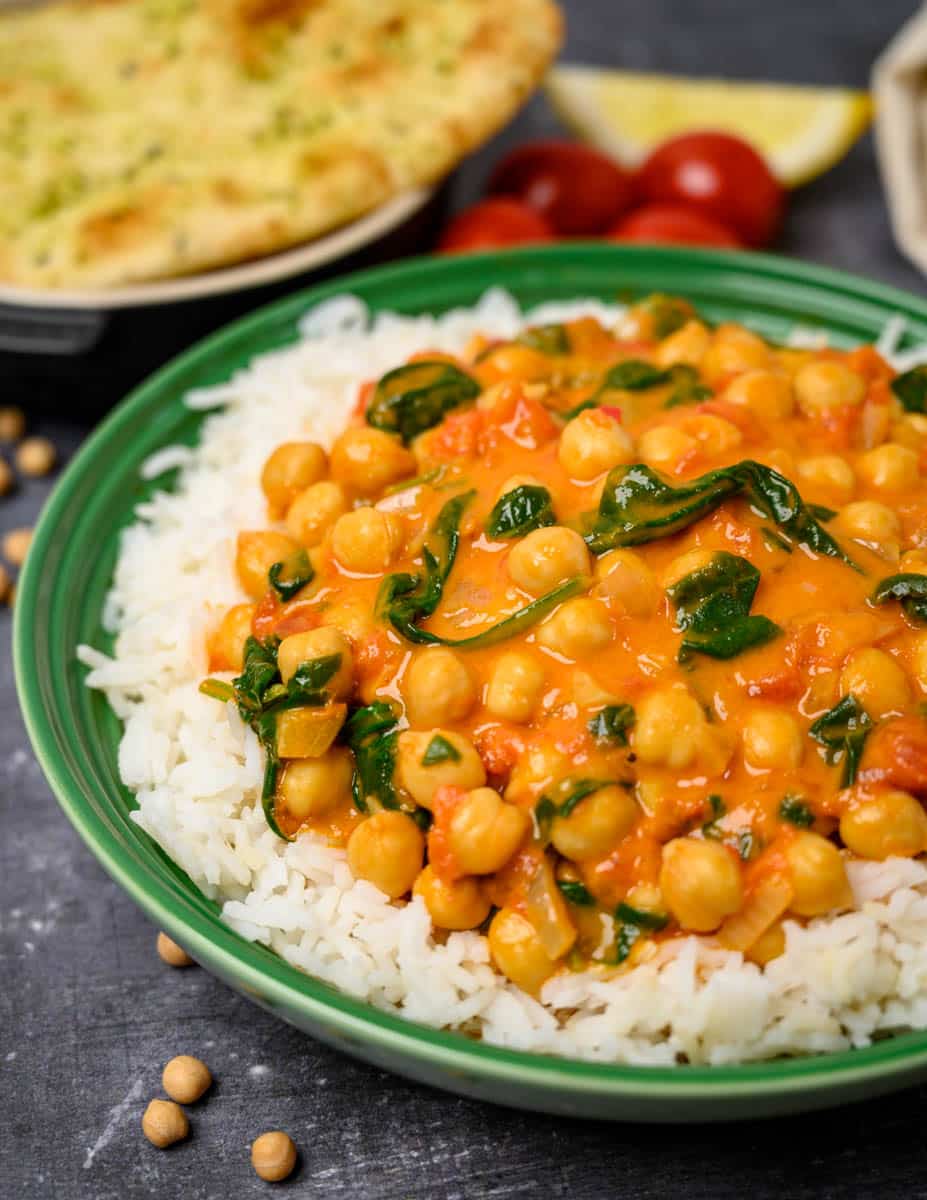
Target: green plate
{"x":75,"y":735}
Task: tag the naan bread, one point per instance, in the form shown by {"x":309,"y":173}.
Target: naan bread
{"x":141,"y":139}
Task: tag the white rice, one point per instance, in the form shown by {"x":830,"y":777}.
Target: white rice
{"x":196,"y":773}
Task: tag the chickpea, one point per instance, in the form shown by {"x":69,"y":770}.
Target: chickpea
{"x":685,"y":564}
{"x":624,"y":576}
{"x":596,"y":824}
{"x":876,"y":680}
{"x":547,"y":557}
{"x":311,"y":787}
{"x":420,"y":781}
{"x":484,"y":832}
{"x":578,"y":629}
{"x":714,"y":434}
{"x":291,"y":468}
{"x":186,"y":1079}
{"x":593,"y":443}
{"x":919,"y":659}
{"x":228,"y":643}
{"x":313,"y":512}
{"x":367,"y":460}
{"x":352,"y":615}
{"x":536,"y":769}
{"x":665,"y":446}
{"x":16,"y":545}
{"x":438,"y":688}
{"x":256,"y":553}
{"x":893,"y":823}
{"x":827,"y":383}
{"x":12,"y":424}
{"x":165,"y":1123}
{"x":910,"y":430}
{"x":589,"y":693}
{"x":772,"y":740}
{"x":516,"y":683}
{"x":687,"y":345}
{"x":322,"y":642}
{"x":35,"y":456}
{"x":869,"y":521}
{"x":766,"y":393}
{"x":890,"y":468}
{"x":457,"y":905}
{"x":828,"y":471}
{"x":818,"y":875}
{"x":700,"y":881}
{"x":387,"y":850}
{"x":768,"y":945}
{"x":366,"y":540}
{"x":670,"y":728}
{"x":273,"y":1156}
{"x":733,"y":350}
{"x":171,"y":953}
{"x":517,"y":951}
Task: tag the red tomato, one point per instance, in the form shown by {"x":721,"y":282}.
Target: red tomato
{"x":673,"y":223}
{"x":720,"y":177}
{"x":497,"y":222}
{"x":578,"y":190}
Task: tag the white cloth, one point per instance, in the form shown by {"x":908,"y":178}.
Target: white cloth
{"x":899,"y":86}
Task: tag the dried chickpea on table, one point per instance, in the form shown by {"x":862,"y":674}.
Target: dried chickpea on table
{"x":597,"y":637}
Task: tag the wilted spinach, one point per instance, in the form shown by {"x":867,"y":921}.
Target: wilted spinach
{"x":910,"y":589}
{"x":546,"y":339}
{"x":525,"y":507}
{"x":411,"y":399}
{"x":612,"y":723}
{"x":713,"y":609}
{"x":842,"y":731}
{"x":911,"y":389}
{"x":370,"y":732}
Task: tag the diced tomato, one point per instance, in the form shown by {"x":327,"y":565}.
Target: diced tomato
{"x":521,"y":420}
{"x":896,"y":754}
{"x":364,"y":396}
{"x":636,"y":859}
{"x":440,"y":855}
{"x":297,"y":617}
{"x":266,"y":615}
{"x":370,"y":654}
{"x":742,"y":417}
{"x":840,"y":424}
{"x":459,"y":435}
{"x":500,"y":747}
{"x":868,"y":362}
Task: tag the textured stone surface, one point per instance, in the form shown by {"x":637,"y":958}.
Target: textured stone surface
{"x":89,"y":1014}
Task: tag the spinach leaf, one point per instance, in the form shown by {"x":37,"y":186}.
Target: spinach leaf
{"x":842,"y":732}
{"x":911,"y":389}
{"x":820,"y":512}
{"x":746,"y":844}
{"x":307,"y":685}
{"x":418,"y":396}
{"x":794,"y":810}
{"x":440,"y":750}
{"x":576,"y":893}
{"x":547,"y":339}
{"x":261,"y":696}
{"x":404,"y":600}
{"x":290,"y":575}
{"x":612,"y":724}
{"x":562,"y":799}
{"x":668,"y":313}
{"x":371,"y":734}
{"x":688,"y":387}
{"x":632,"y":923}
{"x":774,"y":541}
{"x":633,"y":375}
{"x":713,"y":606}
{"x":524,"y":508}
{"x":639,"y":506}
{"x":910,"y":589}
{"x":711,"y":829}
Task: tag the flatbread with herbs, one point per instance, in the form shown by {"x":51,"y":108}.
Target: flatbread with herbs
{"x":142,"y":139}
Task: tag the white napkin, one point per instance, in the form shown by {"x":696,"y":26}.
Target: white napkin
{"x":899,"y":85}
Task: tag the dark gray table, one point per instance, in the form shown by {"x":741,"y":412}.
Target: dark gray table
{"x":88,"y":1014}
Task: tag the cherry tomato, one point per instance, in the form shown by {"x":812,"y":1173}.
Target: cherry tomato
{"x":718,"y":176}
{"x":578,"y":190}
{"x":673,"y":223}
{"x":496,"y":222}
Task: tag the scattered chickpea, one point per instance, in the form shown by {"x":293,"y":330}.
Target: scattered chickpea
{"x":35,"y":456}
{"x":165,"y":1123}
{"x":890,"y":468}
{"x":7,"y":478}
{"x":186,"y":1079}
{"x":12,"y":424}
{"x":16,"y":545}
{"x":172,"y":954}
{"x":273,"y":1155}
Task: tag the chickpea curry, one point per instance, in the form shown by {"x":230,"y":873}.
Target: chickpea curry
{"x":596,"y":637}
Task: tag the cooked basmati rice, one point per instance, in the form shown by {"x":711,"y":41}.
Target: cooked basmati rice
{"x":196,"y":773}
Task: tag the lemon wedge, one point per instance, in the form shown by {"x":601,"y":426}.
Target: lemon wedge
{"x":801,"y":131}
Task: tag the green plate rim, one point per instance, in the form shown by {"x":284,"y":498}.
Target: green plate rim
{"x":275,"y":980}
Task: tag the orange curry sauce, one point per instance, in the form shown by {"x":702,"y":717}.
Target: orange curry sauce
{"x":731,"y":814}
